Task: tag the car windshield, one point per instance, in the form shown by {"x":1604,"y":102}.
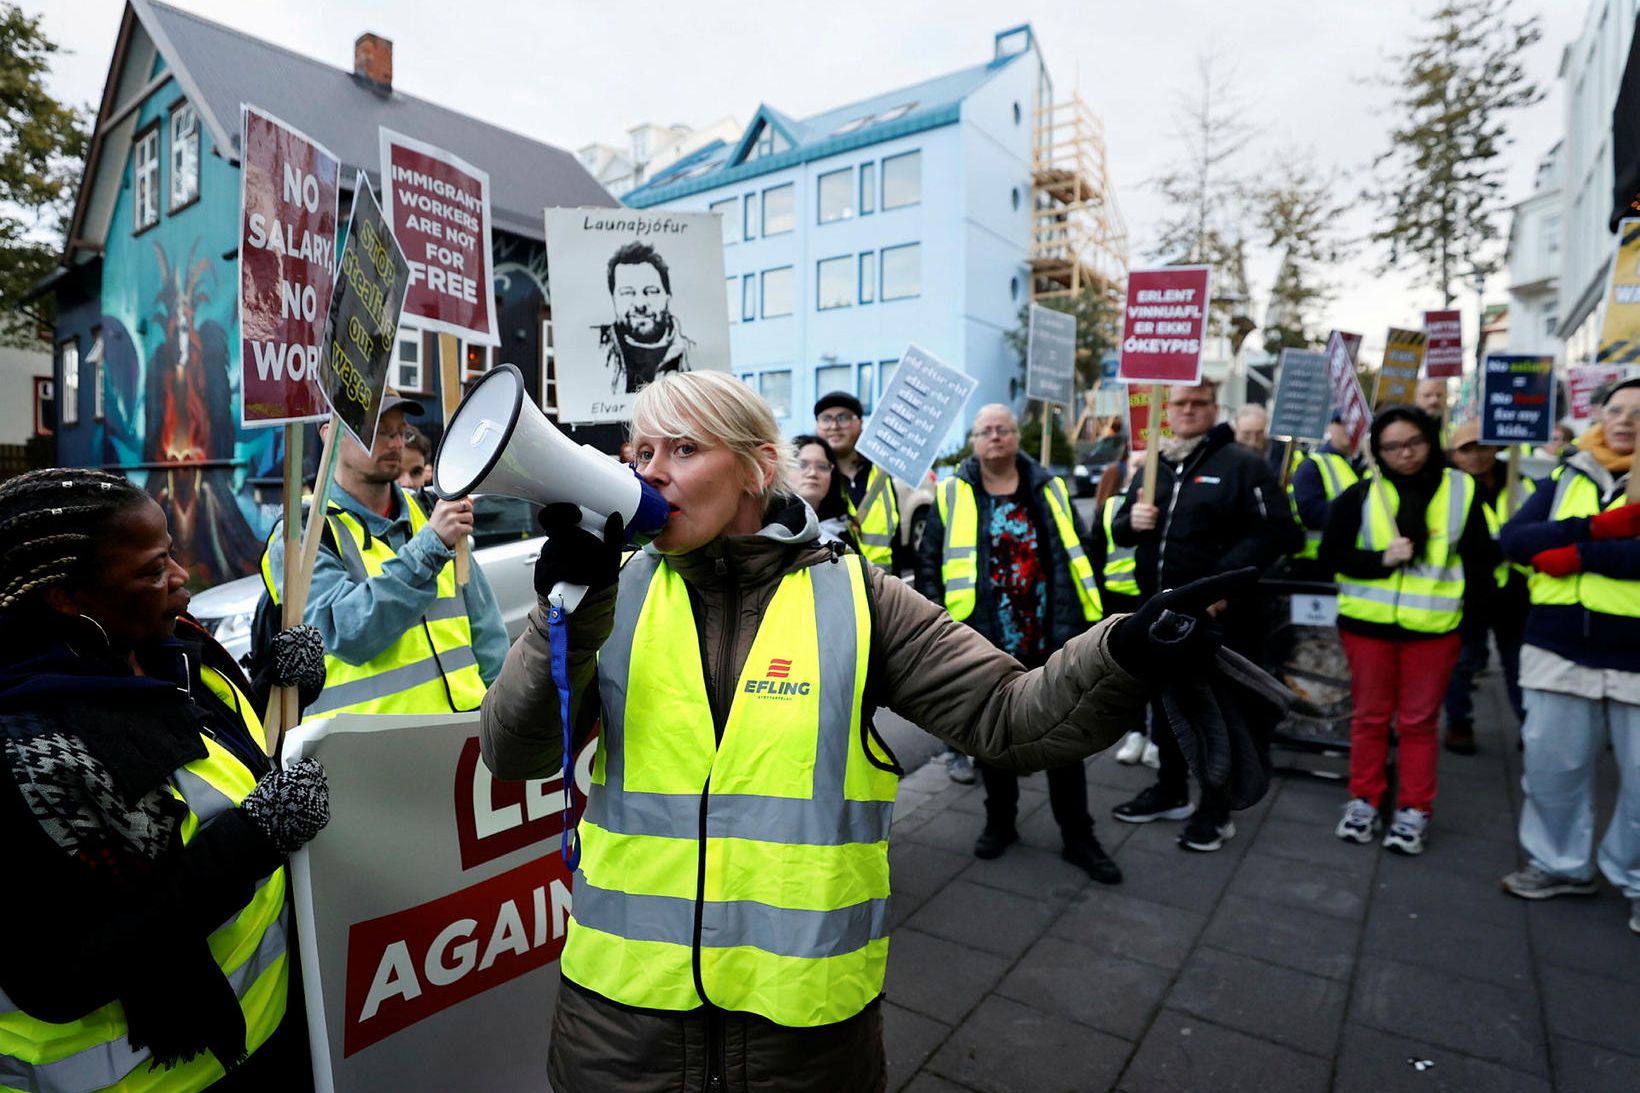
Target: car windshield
{"x":503,"y":520}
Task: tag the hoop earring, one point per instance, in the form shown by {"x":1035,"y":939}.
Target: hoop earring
{"x":107,"y":646}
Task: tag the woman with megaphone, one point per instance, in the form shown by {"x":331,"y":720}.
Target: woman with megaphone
{"x":730,"y":923}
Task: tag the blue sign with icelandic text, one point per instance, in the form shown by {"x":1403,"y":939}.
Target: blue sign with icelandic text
{"x":1517,"y":400}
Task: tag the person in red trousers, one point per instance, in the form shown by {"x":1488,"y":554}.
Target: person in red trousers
{"x":1412,"y":554}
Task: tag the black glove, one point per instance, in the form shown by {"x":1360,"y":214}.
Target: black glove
{"x":573,"y":554}
{"x":1223,"y":717}
{"x":290,"y":806}
{"x":1173,"y":630}
{"x":298,"y":660}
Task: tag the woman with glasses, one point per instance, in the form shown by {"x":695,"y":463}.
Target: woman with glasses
{"x":819,"y":482}
{"x":1413,"y":555}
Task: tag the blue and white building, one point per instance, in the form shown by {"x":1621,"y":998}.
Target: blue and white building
{"x":904,"y":218}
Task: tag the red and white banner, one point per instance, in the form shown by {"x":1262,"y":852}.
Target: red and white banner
{"x":1348,"y":399}
{"x":287,"y":267}
{"x":1443,"y":358}
{"x":431,"y":910}
{"x":439,"y":209}
{"x":1582,"y":381}
{"x":1164,"y":325}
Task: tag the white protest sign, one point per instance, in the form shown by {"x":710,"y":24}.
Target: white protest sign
{"x":1050,"y":356}
{"x":914,"y":416}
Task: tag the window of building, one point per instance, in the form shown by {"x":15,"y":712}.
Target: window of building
{"x":145,"y":180}
{"x":748,"y":218}
{"x":748,"y":298}
{"x":768,"y":142}
{"x":1013,"y":288}
{"x":833,"y":377}
{"x":778,"y":294}
{"x":184,"y":155}
{"x":1018,"y":114}
{"x":475,"y":361}
{"x":408,"y":361}
{"x":902,"y":180}
{"x":868,"y":276}
{"x":853,"y":123}
{"x":835,"y":283}
{"x":885,"y":373}
{"x":1549,"y":324}
{"x":726,"y":210}
{"x":897,"y":112}
{"x":868,"y":386}
{"x":69,"y":354}
{"x":549,"y":366}
{"x":902,"y":271}
{"x":776,"y":389}
{"x":1016,"y":198}
{"x":868,"y":188}
{"x":729,"y":297}
{"x":836,"y":195}
{"x":779,"y":210}
{"x":98,"y":373}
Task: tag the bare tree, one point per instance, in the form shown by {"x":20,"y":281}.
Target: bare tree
{"x":1299,"y":217}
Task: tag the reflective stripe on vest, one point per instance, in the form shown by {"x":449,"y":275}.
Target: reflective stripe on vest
{"x":93,"y":1053}
{"x":1576,"y":494}
{"x":1426,"y":595}
{"x":1497,"y":514}
{"x":1336,"y":476}
{"x":878,"y":516}
{"x":1121,"y":567}
{"x":790,"y":883}
{"x":960,"y":513}
{"x":430,"y":669}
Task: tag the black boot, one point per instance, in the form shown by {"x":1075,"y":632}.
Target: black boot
{"x":1091,"y":857}
{"x":992,"y":842}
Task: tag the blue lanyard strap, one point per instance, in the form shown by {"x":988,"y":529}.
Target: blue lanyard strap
{"x":558,"y":638}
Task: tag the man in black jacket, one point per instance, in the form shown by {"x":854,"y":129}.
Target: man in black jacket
{"x":1218,"y":507}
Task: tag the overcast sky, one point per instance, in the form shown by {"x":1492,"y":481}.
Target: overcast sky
{"x":574,"y":71}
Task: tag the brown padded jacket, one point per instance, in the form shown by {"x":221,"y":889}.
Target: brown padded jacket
{"x":926,"y":667}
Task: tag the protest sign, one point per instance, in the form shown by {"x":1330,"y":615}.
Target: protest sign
{"x":1347,"y":396}
{"x":1517,"y":400}
{"x":1443,"y":356}
{"x":914,"y":416}
{"x":438,"y":207}
{"x":1582,"y":381}
{"x":431,"y":910}
{"x":1303,"y":400}
{"x":287,"y":264}
{"x":1164,"y":325}
{"x":1050,"y":356}
{"x":636,"y":294}
{"x":1398,"y":376}
{"x":1620,"y":332}
{"x":1138,"y":412}
{"x":364,"y":317}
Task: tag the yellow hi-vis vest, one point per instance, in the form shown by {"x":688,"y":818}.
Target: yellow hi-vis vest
{"x":93,"y":1053}
{"x":878,"y":517}
{"x":1336,"y":476}
{"x":1576,"y":494}
{"x":959,"y":512}
{"x":1121,"y":567}
{"x":756,"y":867}
{"x":430,"y":669}
{"x":1498,"y":513}
{"x":1425,"y":595}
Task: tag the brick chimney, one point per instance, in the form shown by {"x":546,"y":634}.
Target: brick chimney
{"x":373,"y":61}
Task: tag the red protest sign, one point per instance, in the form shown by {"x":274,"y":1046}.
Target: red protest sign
{"x":1444,"y":356}
{"x":287,"y":264}
{"x":439,"y":209}
{"x":1164,"y":325}
{"x":1139,"y":418}
{"x":1348,"y":399}
{"x":1582,"y":381}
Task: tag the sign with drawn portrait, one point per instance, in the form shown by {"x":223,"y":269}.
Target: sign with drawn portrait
{"x":635,"y":294}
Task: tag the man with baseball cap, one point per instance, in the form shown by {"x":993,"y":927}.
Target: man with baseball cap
{"x":400,"y":635}
{"x":838,"y":418}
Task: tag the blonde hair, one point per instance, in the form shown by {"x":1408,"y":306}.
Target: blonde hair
{"x":717,"y":408}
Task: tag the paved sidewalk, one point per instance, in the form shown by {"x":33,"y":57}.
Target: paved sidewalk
{"x":1288,"y":961}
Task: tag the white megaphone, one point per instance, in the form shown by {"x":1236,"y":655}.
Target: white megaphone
{"x":497,"y":441}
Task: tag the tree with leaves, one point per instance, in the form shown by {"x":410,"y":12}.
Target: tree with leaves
{"x":42,"y":143}
{"x":1438,"y":184}
{"x":1298,"y":217}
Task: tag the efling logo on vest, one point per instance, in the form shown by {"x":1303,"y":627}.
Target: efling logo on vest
{"x":777,"y":683}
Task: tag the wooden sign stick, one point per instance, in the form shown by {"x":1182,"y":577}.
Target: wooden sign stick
{"x":1286,"y":463}
{"x":1047,"y":432}
{"x":449,"y":373}
{"x":288,"y":704}
{"x":1153,"y":439}
{"x":1511,"y":484}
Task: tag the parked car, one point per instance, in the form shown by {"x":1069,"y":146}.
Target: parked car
{"x":506,"y":544}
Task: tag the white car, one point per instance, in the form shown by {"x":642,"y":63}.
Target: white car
{"x":506,"y":544}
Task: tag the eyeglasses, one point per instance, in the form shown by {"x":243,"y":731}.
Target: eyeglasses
{"x":820,"y":467}
{"x":1405,"y":447}
{"x":842,"y":417}
{"x":1615,"y":413}
{"x":996,"y":430}
{"x":406,"y":435}
{"x":1190,"y":403}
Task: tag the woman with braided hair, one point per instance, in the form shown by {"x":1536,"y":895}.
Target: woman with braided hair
{"x":143,"y":829}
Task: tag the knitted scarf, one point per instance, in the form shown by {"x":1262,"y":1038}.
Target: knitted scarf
{"x":1594,"y":442}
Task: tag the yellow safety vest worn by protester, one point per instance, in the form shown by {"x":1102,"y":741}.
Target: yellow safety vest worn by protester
{"x":878,"y":516}
{"x":1336,"y":476}
{"x":1426,"y":594}
{"x":431,"y":668}
{"x":750,"y":873}
{"x":93,"y":1052}
{"x":1121,"y":564}
{"x":1498,"y":511}
{"x":959,"y":569}
{"x":1576,"y":494}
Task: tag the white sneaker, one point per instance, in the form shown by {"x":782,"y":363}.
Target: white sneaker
{"x":1360,"y":822}
{"x":959,"y":768}
{"x":1406,"y":832}
{"x":1153,"y":756}
{"x":1133,"y":746}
